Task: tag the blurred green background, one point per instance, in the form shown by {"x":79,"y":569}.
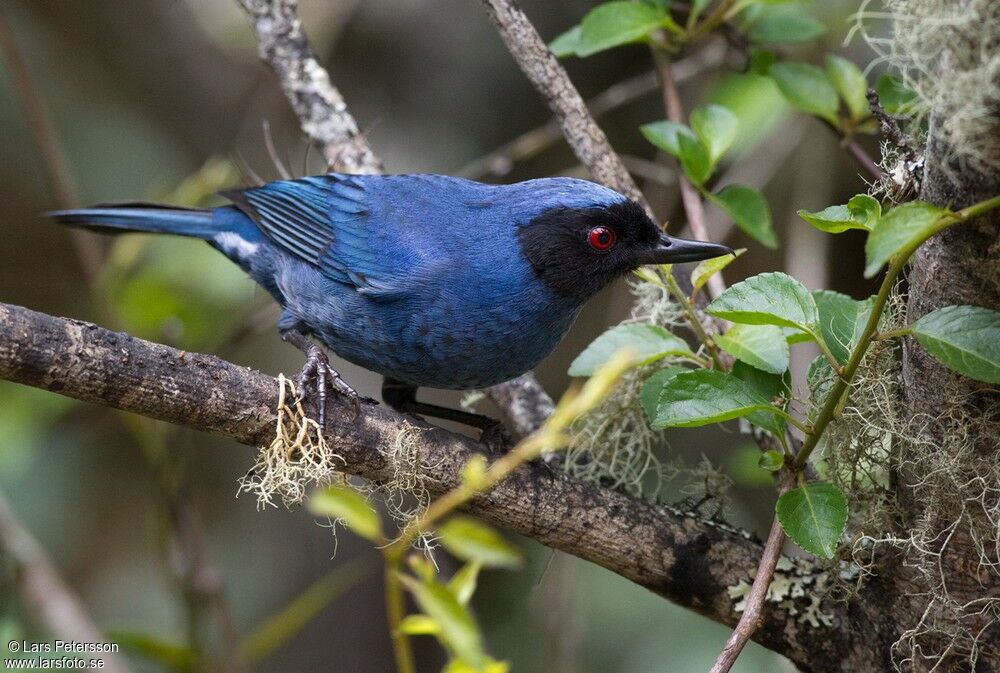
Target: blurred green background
{"x":157,"y":99}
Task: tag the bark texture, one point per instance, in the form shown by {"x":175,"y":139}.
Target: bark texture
{"x":319,"y":106}
{"x":949,"y":475}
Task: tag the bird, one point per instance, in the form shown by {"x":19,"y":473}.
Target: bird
{"x":429,"y":280}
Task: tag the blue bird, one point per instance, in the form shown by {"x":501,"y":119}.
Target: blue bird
{"x":428,"y":280}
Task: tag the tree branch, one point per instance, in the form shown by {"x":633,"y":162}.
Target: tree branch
{"x":543,"y":69}
{"x":681,"y":557}
{"x":318,"y":104}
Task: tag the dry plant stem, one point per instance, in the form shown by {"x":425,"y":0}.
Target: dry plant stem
{"x":50,"y":149}
{"x":750,"y":619}
{"x":50,"y":599}
{"x":858,"y":153}
{"x":871,"y":327}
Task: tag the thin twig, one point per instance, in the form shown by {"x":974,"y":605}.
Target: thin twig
{"x":56,"y":606}
{"x":889,"y":126}
{"x":500,"y":161}
{"x":693,"y":207}
{"x":50,"y":149}
{"x":857,"y":152}
{"x":863,"y":158}
{"x":751,"y":617}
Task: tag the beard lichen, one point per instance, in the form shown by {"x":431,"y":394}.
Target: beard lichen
{"x":890,"y":466}
{"x":296,"y":459}
{"x":948,"y":53}
{"x":615,"y":446}
{"x":405,"y":493}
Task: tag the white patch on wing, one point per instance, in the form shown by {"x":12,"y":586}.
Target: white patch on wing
{"x":234,"y":244}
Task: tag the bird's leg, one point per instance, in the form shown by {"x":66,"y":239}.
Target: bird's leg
{"x":403,"y":398}
{"x":317,"y":368}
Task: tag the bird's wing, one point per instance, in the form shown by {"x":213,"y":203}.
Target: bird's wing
{"x":324,"y":220}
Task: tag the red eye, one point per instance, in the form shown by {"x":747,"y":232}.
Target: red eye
{"x":601,"y":238}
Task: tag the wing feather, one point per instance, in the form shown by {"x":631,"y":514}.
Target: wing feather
{"x":324,"y":220}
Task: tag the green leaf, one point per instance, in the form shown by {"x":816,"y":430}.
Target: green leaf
{"x":663,"y":134}
{"x":566,"y":44}
{"x":616,"y":23}
{"x":788,"y":25}
{"x":769,"y":386}
{"x":760,"y":346}
{"x":895,"y":97}
{"x":761,"y":61}
{"x":902,"y":226}
{"x":649,"y":342}
{"x":832,"y":219}
{"x":850,"y":83}
{"x":708,"y":268}
{"x":749,"y":210}
{"x":695,"y":161}
{"x":807,"y":88}
{"x":768,"y":299}
{"x":457,"y":629}
{"x":865,"y":210}
{"x":463,"y":583}
{"x":965,"y":339}
{"x":771,"y":460}
{"x":470,"y":540}
{"x":419,"y":625}
{"x":860,"y":212}
{"x":814,"y":516}
{"x":715,"y":127}
{"x":706,"y":396}
{"x":838,"y":318}
{"x":649,"y":396}
{"x":345,"y":504}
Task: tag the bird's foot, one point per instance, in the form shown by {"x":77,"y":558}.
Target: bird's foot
{"x":495,"y":436}
{"x":317,"y":377}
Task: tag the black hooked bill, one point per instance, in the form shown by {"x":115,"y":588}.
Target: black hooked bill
{"x":672,"y":250}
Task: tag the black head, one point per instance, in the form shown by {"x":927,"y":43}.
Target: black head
{"x":577,"y":251}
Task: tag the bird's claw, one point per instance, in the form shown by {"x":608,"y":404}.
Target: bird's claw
{"x":322,"y":376}
{"x":496,"y":438}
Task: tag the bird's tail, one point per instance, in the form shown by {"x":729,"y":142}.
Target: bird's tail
{"x":148,"y":217}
